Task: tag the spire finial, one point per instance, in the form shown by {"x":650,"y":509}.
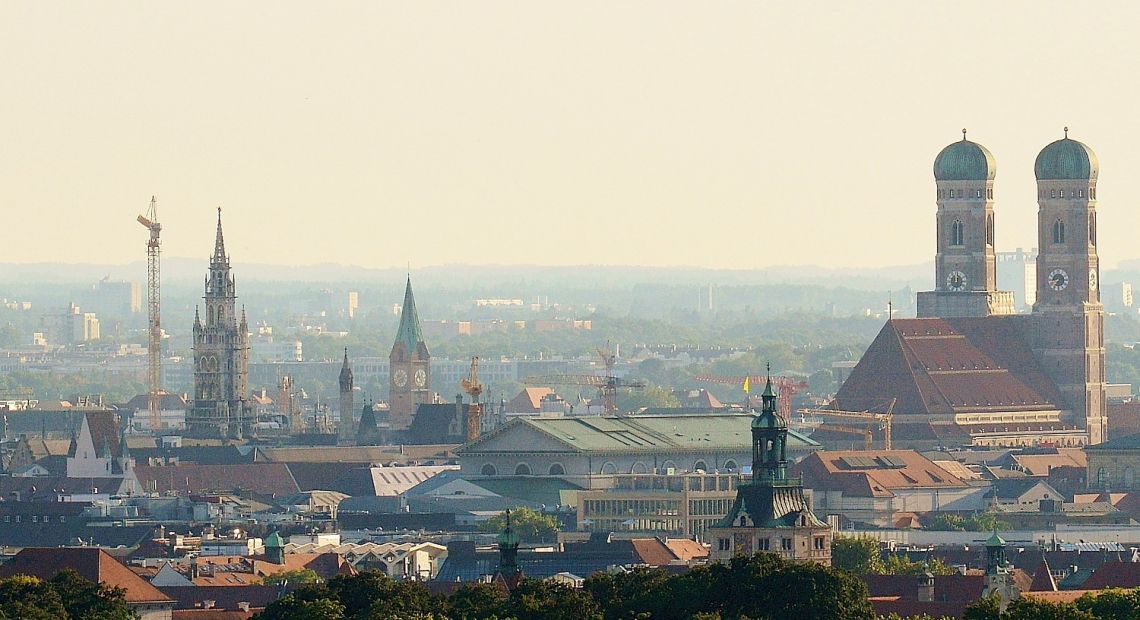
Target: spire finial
{"x":963,"y":134}
{"x":1066,"y":133}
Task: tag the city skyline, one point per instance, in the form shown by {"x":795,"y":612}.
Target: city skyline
{"x":520,"y":134}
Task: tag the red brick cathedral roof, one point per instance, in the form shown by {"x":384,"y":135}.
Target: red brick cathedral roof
{"x":943,"y":366}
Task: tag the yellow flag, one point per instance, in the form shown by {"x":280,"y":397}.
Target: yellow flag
{"x":747,"y":385}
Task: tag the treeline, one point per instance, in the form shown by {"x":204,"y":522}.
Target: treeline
{"x":761,"y":586}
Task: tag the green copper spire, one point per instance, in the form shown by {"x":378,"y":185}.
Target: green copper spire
{"x":409,"y":332}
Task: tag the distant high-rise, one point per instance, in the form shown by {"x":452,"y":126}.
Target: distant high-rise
{"x":221,"y":355}
{"x":409,"y":382}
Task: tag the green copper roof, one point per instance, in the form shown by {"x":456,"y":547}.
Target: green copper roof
{"x":965,"y":161}
{"x":995,"y":540}
{"x":273,"y":541}
{"x":1066,"y":159}
{"x":409,"y":332}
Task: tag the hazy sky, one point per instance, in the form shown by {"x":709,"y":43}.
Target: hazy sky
{"x":719,"y":134}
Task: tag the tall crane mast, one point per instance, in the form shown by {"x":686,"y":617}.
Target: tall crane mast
{"x":474,"y":388}
{"x":154,"y":311}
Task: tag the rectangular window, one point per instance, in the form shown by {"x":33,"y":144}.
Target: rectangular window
{"x":786,"y":544}
{"x":951,"y":193}
{"x":764,"y":544}
{"x":722,"y":544}
{"x":819,"y":540}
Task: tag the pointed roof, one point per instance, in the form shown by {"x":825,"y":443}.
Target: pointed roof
{"x":409,"y":332}
{"x":1043,"y":579}
{"x":219,"y":244}
{"x":958,"y":365}
{"x":345,"y":371}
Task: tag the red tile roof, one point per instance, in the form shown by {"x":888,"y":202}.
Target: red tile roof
{"x":652,"y":551}
{"x":92,"y":563}
{"x":873,"y":473}
{"x":932,"y":366}
{"x":529,"y":400}
{"x":1114,"y":575}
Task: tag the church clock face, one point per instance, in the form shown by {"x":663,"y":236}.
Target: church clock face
{"x":400,"y":377}
{"x":421,"y":377}
{"x":956,"y":281}
{"x":1092,"y":279}
{"x":1058,"y":279}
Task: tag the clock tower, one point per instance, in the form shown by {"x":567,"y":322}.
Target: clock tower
{"x":965,"y":264}
{"x":409,"y":376}
{"x":1069,"y":333}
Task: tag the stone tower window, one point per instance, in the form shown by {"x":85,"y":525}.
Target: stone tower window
{"x":990,"y":230}
{"x":1052,"y":193}
{"x":957,"y":233}
{"x":951,"y":193}
{"x":1092,"y":229}
{"x":1058,"y":231}
{"x":977,"y":193}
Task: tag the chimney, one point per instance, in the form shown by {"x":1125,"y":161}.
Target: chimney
{"x":208,"y":604}
{"x":243,"y":606}
{"x":926,"y":587}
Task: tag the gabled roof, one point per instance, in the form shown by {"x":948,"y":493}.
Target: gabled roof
{"x":645,"y":433}
{"x":529,"y":400}
{"x":261,"y":478}
{"x":92,"y":563}
{"x":873,"y":473}
{"x":1114,"y":575}
{"x":940,"y":366}
{"x":1130,"y":442}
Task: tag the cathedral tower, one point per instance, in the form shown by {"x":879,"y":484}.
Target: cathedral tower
{"x":1069,"y":317}
{"x":409,"y":382}
{"x":346,"y":429}
{"x":965,"y":264}
{"x":221,"y":354}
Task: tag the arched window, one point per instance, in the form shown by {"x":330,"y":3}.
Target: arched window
{"x":639,"y":468}
{"x":700,"y":466}
{"x":957,"y":233}
{"x":731,"y":465}
{"x":990,"y":230}
{"x":489,"y":470}
{"x":522,"y":469}
{"x":1092,"y":228}
{"x":608,"y":468}
{"x":1102,"y":477}
{"x":669,"y":465}
{"x":557,"y":470}
{"x":1058,"y":231}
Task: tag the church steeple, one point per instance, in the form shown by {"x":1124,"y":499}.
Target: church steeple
{"x":219,"y":258}
{"x":769,"y":439}
{"x":509,"y":542}
{"x":410,"y":334}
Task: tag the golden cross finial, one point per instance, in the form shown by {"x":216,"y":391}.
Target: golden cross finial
{"x":963,"y":134}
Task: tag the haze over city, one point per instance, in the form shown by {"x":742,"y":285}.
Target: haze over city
{"x":638,"y":133}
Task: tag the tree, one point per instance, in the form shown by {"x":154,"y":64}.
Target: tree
{"x":294,"y":607}
{"x":90,"y":601}
{"x":945,"y":522}
{"x":547,"y":600}
{"x":766,"y":585}
{"x":903,"y":565}
{"x":983,"y":522}
{"x":857,"y":554}
{"x":476,"y":600}
{"x":299,"y":576}
{"x":631,"y":594}
{"x":531,"y":526}
{"x":1111,"y":604}
{"x":1033,"y":609}
{"x":652,"y":396}
{"x":30,"y":598}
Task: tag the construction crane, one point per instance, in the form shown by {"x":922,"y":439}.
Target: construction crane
{"x":786,"y":388}
{"x":154,"y":311}
{"x":607,"y":384}
{"x":883,"y":419}
{"x":474,"y":389}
